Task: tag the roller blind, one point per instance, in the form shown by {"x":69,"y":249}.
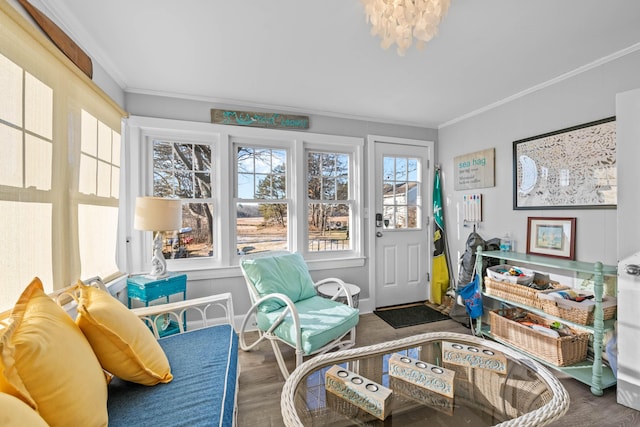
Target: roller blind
{"x":59,"y":165}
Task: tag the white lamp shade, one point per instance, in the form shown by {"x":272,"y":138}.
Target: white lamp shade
{"x":157,"y":214}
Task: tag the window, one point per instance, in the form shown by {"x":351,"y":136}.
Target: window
{"x":401,"y":204}
{"x":184,"y":170}
{"x":262,"y":207}
{"x":329,"y":207}
{"x":60,"y":166}
{"x":246,"y":191}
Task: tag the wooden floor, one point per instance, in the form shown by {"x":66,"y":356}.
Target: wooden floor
{"x":261,"y":382}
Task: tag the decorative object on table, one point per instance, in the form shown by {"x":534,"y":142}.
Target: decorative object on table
{"x":570,"y":168}
{"x":158,"y":214}
{"x":474,"y":356}
{"x":423,"y":374}
{"x":401,"y":20}
{"x":554,"y":237}
{"x":413,"y":393}
{"x":474,"y":170}
{"x":362,"y":392}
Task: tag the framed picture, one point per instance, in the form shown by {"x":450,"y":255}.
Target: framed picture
{"x":553,"y":237}
{"x":573,"y":168}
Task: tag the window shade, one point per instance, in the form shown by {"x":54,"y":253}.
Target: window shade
{"x":59,"y":165}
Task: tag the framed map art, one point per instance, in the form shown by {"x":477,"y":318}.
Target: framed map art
{"x":573,"y":168}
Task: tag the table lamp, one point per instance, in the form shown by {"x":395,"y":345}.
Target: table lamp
{"x":157,"y":214}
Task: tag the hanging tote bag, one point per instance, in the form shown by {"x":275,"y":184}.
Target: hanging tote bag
{"x":471,"y":294}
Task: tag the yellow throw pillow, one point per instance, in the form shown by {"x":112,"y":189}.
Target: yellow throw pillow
{"x":123,"y":343}
{"x":15,"y":413}
{"x":46,"y":361}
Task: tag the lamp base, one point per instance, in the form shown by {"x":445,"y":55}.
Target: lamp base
{"x":156,"y":277}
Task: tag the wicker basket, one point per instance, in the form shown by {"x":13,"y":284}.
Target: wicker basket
{"x":576,"y":312}
{"x":561,"y":351}
{"x":520,"y":294}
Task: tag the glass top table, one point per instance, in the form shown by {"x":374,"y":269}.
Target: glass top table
{"x":484,"y":384}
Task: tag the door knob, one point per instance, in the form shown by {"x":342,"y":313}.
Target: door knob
{"x":632,"y":269}
{"x":379,"y":234}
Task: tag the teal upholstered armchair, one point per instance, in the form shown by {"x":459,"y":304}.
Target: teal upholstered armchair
{"x":287,"y":308}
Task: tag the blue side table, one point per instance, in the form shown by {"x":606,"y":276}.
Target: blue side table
{"x":146,"y":290}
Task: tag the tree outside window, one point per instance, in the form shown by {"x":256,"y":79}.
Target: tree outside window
{"x":184,"y":170}
{"x":329,"y":206}
{"x":262,"y":205}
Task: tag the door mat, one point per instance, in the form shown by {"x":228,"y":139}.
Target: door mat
{"x":412,"y":315}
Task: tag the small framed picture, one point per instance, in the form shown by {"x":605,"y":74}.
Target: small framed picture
{"x":554,"y":237}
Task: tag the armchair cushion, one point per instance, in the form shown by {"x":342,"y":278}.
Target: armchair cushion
{"x":321,"y":320}
{"x":124,"y":345}
{"x":286,"y":274}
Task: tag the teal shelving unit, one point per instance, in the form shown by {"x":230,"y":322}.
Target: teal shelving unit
{"x":593,"y":371}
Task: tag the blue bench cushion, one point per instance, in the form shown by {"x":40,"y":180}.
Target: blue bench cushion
{"x":321,"y":320}
{"x":204,"y":364}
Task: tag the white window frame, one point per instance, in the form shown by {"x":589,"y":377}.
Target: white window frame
{"x":139,"y":132}
{"x":354,"y":200}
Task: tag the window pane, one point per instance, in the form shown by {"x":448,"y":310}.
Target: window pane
{"x":162,"y":155}
{"x":401,"y":169}
{"x":328,"y":227}
{"x":38,"y":107}
{"x":329,"y":189}
{"x":185,"y":185}
{"x":11,"y":159}
{"x":11,"y":90}
{"x":342,"y":165}
{"x":182,"y":159}
{"x":261,"y":173}
{"x":342,"y":188}
{"x":328,"y":176}
{"x":261,"y":227}
{"x":97,"y":224}
{"x":38,"y":155}
{"x":401,"y":192}
{"x":30,"y":226}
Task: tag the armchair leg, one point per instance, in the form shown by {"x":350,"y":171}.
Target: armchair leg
{"x":281,"y":364}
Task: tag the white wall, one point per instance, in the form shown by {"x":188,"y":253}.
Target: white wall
{"x":582,"y":98}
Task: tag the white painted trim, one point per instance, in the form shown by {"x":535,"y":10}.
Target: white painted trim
{"x":369,"y":211}
{"x":543,"y":85}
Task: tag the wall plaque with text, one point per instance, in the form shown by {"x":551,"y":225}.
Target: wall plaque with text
{"x":475,"y":170}
{"x":257,"y":119}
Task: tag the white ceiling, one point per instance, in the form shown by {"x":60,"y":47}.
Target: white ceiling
{"x":318,"y":57}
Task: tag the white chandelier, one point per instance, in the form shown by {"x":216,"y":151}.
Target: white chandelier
{"x":398,"y":21}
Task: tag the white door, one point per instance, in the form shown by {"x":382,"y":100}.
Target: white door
{"x":628,"y":153}
{"x":628,"y":388}
{"x":400,"y":218}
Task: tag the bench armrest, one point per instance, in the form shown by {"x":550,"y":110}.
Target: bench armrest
{"x":196,"y":311}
